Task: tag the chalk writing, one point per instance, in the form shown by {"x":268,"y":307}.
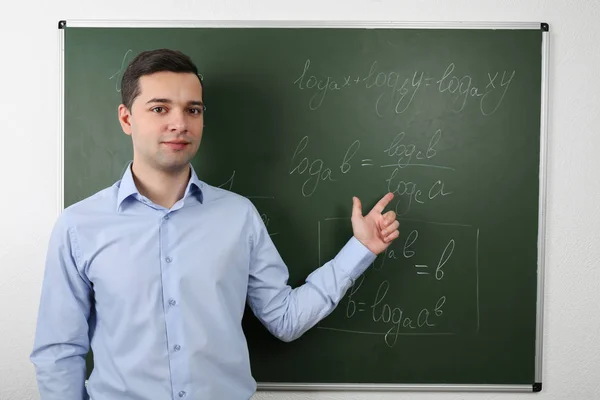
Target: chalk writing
{"x":265,"y":218}
{"x":267,"y":221}
{"x":402,"y":91}
{"x":489,"y":105}
{"x":386,"y":300}
{"x":117,"y":75}
{"x":410,"y":240}
{"x":410,"y":192}
{"x":383,"y":312}
{"x":322,"y":86}
{"x":351,"y":305}
{"x":390,"y":254}
{"x":400,"y":88}
{"x":446,"y":254}
{"x":316,"y":169}
{"x":229,"y":183}
{"x":421,"y":268}
{"x":407,"y":153}
{"x":345,"y":167}
{"x":387,"y":254}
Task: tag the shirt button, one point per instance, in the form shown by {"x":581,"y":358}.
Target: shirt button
{"x":177,"y":347}
{"x":182,"y":394}
{"x":172,"y":302}
{"x":168,"y":259}
{"x":167,"y":216}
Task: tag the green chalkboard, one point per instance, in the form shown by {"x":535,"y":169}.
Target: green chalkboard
{"x":301,"y":118}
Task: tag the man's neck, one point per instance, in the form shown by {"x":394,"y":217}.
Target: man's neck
{"x":161,"y":187}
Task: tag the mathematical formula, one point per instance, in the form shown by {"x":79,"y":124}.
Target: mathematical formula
{"x":398,"y":91}
{"x":414,"y":287}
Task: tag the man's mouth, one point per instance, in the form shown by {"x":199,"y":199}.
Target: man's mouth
{"x":176,"y":145}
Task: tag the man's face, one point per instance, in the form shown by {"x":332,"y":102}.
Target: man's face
{"x":165,"y":121}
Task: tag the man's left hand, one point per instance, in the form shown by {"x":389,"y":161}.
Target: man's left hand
{"x":375,"y":230}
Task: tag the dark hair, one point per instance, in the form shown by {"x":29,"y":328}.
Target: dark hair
{"x":149,"y":62}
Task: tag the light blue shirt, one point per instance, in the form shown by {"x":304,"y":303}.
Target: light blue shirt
{"x":159,"y":295}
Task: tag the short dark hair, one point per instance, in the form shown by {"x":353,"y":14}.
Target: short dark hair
{"x":149,"y":62}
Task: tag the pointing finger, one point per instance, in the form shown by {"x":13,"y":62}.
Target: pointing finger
{"x":381,"y":204}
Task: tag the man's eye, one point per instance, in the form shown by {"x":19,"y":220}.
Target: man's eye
{"x":158,"y":109}
{"x":196,"y":111}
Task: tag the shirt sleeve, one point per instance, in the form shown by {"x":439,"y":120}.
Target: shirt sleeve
{"x":289,"y":312}
{"x":61,"y":339}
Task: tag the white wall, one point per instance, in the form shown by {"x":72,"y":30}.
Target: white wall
{"x":29,"y":174}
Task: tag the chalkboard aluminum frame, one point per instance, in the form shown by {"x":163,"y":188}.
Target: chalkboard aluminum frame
{"x":544,"y":27}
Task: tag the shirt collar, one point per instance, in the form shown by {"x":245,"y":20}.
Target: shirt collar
{"x":127,"y":186}
{"x":195,"y":186}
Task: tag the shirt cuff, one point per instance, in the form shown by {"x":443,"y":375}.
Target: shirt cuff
{"x":354,"y":258}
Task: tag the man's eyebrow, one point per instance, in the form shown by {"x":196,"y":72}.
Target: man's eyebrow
{"x":158,"y":100}
{"x":167,"y":101}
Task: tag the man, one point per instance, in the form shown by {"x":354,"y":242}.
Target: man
{"x":153,"y":273}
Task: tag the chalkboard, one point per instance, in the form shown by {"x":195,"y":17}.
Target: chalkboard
{"x":301,"y":117}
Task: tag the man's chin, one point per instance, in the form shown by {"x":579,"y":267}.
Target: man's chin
{"x":173,"y":166}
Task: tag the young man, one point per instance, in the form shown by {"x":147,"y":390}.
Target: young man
{"x":154,"y":272}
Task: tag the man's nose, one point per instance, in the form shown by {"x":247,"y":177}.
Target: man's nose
{"x":178,"y":121}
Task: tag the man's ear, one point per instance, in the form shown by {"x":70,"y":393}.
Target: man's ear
{"x":125,"y":119}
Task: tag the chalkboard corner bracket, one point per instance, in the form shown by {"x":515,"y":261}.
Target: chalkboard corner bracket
{"x":537,"y":387}
{"x":62,"y":24}
{"x":545,"y":26}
